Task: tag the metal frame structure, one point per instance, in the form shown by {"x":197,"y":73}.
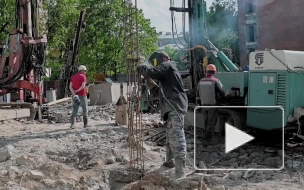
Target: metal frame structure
{"x":72,"y":48}
{"x":134,"y":84}
{"x":22,"y":63}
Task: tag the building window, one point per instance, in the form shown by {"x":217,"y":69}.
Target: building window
{"x":250,"y":8}
{"x":250,"y":33}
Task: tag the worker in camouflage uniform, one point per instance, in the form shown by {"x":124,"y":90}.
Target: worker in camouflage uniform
{"x":174,"y":107}
{"x":210,"y":91}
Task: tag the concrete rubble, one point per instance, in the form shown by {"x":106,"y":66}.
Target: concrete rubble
{"x":61,"y":113}
{"x":50,"y":155}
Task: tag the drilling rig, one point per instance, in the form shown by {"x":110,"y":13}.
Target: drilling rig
{"x":22,"y":64}
{"x":270,"y":80}
{"x":199,"y":51}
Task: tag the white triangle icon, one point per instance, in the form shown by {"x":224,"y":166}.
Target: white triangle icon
{"x":235,"y":138}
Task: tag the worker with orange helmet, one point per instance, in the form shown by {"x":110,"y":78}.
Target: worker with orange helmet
{"x":210,"y":90}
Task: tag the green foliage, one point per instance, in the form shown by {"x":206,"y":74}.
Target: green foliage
{"x":7,"y":17}
{"x":170,"y":51}
{"x":222,"y":31}
{"x":223,"y":26}
{"x":61,"y":23}
{"x":101,"y":44}
{"x":178,"y":56}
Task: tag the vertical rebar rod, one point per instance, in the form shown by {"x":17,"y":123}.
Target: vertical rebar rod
{"x":139,"y":96}
{"x":131,"y":50}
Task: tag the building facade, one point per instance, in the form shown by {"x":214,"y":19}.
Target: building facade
{"x":271,"y":24}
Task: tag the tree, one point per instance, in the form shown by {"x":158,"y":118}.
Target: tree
{"x":223,"y":26}
{"x":101,"y":44}
{"x":61,"y":21}
{"x":170,"y":51}
{"x":7,"y":18}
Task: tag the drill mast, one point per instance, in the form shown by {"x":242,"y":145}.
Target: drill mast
{"x":69,"y":68}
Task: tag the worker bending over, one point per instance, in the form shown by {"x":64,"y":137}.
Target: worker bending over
{"x":174,"y":107}
{"x":79,"y":94}
{"x":210,"y":91}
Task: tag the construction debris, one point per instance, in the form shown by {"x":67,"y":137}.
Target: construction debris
{"x":5,"y":153}
{"x":52,"y":156}
{"x":61,"y":113}
{"x":59,"y":101}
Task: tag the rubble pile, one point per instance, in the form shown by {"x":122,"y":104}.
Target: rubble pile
{"x":31,"y":168}
{"x":61,"y":113}
{"x":93,"y":158}
{"x":246,"y":157}
{"x":90,"y":148}
{"x":107,"y":112}
{"x":53,"y":156}
{"x":214,"y":156}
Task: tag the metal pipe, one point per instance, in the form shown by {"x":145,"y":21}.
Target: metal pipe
{"x":37,"y":16}
{"x":29,"y":25}
{"x":226,"y":61}
{"x":82,"y":13}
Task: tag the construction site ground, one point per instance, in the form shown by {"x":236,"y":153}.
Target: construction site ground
{"x":50,"y":155}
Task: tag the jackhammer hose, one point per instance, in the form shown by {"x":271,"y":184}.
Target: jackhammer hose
{"x":198,"y":47}
{"x":205,"y":60}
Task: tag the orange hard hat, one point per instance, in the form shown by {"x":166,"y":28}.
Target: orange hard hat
{"x":211,"y":67}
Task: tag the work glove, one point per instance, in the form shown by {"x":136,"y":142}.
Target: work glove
{"x":141,"y":67}
{"x":76,"y":99}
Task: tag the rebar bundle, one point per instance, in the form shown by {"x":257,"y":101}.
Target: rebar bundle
{"x":131,"y":50}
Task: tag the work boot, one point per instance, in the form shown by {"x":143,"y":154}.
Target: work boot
{"x":169,"y":158}
{"x":85,"y":122}
{"x":180,"y":168}
{"x":73,"y":122}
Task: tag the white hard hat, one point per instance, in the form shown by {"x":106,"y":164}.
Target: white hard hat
{"x":82,"y":68}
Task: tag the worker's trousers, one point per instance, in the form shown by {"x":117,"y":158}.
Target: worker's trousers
{"x":84,"y":106}
{"x":210,"y":119}
{"x":176,"y":141}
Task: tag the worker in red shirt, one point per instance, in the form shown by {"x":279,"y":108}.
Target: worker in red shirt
{"x":79,"y":94}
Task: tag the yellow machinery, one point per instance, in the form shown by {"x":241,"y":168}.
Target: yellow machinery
{"x":98,"y":78}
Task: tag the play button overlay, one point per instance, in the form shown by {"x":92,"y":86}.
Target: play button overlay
{"x":232,"y":147}
{"x":235,"y":138}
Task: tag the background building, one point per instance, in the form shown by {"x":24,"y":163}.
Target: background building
{"x":168,"y":40}
{"x":272,"y":24}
